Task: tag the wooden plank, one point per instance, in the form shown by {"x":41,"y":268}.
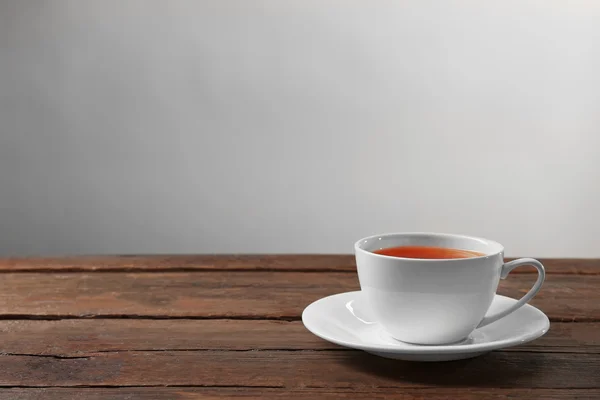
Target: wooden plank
{"x":257,"y":294}
{"x":193,"y":393}
{"x":80,"y":338}
{"x":208,"y":262}
{"x":281,"y":262}
{"x":301,"y":369}
{"x":567,"y":337}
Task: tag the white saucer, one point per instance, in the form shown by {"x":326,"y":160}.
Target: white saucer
{"x":344,"y":319}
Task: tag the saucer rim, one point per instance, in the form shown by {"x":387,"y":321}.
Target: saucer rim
{"x":428,"y":349}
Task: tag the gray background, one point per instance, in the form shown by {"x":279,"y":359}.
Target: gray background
{"x":297,"y":126}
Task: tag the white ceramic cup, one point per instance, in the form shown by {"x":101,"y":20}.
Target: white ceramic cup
{"x":435,"y":301}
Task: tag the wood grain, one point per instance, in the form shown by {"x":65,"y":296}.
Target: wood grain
{"x":82,"y":338}
{"x":283,"y":262}
{"x":301,"y":369}
{"x":194,"y":393}
{"x":250,"y":294}
{"x":207,"y":262}
{"x":214,"y":326}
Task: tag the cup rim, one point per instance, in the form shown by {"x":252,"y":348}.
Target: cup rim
{"x":357,"y":247}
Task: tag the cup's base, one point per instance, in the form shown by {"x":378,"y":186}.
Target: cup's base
{"x":471,"y":339}
{"x":466,"y":340}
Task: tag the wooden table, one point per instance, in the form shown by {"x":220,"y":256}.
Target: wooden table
{"x":187,"y":327}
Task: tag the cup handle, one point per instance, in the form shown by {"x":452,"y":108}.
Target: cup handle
{"x":506,"y":268}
